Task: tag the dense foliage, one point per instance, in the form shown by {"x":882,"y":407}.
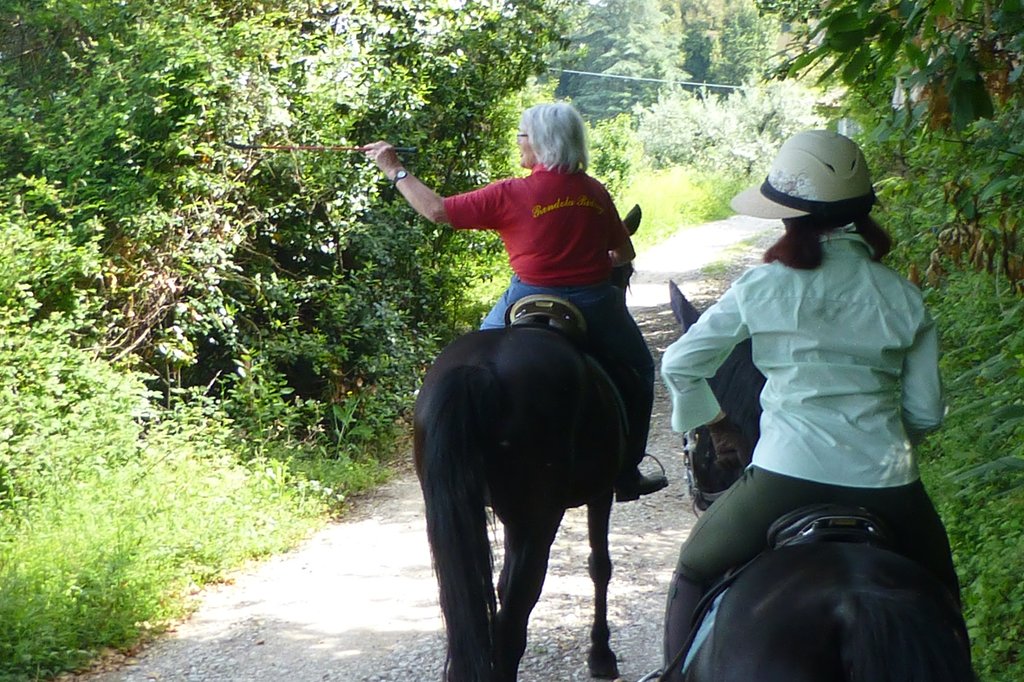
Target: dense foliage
{"x":245,"y":273}
{"x":196,"y":340}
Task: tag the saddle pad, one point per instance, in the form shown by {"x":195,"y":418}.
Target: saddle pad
{"x":706,"y":625}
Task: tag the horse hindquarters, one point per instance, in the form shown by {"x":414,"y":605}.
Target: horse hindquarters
{"x":882,"y":640}
{"x":834,"y":612}
{"x":451,"y":467}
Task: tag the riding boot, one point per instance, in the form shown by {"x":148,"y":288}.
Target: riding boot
{"x":683,"y":597}
{"x":631,"y":484}
{"x":638,"y":398}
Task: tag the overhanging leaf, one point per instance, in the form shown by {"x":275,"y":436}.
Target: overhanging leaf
{"x":855,"y":67}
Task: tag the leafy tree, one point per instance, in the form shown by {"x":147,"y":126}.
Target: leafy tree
{"x":626,"y":41}
{"x":726,"y":41}
{"x":958,"y":57}
{"x":222,"y":268}
{"x":940,"y":85}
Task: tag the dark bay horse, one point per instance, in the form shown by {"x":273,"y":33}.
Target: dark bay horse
{"x":520,"y":420}
{"x":821,"y":611}
{"x":738,"y":384}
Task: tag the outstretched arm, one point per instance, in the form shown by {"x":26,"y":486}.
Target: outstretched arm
{"x":423,"y":199}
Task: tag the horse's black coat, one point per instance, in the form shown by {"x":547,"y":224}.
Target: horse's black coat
{"x":518,"y":418}
{"x":835,"y":612}
{"x":521,"y":420}
{"x":821,"y":612}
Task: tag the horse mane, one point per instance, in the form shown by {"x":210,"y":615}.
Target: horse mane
{"x":902,"y":625}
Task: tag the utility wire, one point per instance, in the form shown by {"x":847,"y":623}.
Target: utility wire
{"x":650,"y":80}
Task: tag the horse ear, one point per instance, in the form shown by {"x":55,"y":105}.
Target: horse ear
{"x":683,"y":310}
{"x":632,"y":219}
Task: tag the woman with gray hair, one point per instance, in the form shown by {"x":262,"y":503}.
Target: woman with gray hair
{"x":563,"y":235}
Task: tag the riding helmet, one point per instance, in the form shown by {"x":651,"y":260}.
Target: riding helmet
{"x":816,"y":172}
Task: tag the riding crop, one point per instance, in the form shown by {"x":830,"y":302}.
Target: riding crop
{"x":309,"y":148}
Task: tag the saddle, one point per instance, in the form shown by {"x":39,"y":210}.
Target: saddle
{"x":829,"y":523}
{"x":544,"y":310}
{"x":813,"y":523}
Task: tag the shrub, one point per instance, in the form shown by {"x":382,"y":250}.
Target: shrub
{"x":736,"y":134}
{"x":615,"y":152}
{"x":107,"y":557}
{"x":975,"y":464}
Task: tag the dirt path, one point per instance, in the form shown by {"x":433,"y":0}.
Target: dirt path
{"x":357,"y":602}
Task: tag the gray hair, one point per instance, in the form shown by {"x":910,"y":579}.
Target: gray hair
{"x":557,"y":136}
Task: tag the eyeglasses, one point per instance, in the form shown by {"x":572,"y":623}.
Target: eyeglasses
{"x":518,"y":135}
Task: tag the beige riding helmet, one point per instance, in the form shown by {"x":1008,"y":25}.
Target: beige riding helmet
{"x":815,"y":172}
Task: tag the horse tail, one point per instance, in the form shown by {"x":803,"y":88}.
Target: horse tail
{"x":453,"y":479}
{"x":897,"y":635}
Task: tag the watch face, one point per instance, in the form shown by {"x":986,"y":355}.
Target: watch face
{"x":400,"y":175}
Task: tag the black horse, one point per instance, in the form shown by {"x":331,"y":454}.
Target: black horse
{"x":816,"y":610}
{"x":834,"y":612}
{"x":522,"y":420}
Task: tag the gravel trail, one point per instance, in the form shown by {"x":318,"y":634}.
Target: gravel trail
{"x":357,"y":602}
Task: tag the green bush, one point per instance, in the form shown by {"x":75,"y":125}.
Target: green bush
{"x":615,"y":152}
{"x":736,"y":134}
{"x":975,"y":464}
{"x":107,"y":557}
{"x":63,"y":412}
{"x":116,"y":129}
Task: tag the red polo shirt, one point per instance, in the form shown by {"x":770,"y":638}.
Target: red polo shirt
{"x":557,"y":227}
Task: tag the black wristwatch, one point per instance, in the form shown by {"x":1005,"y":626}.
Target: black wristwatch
{"x":400,"y":175}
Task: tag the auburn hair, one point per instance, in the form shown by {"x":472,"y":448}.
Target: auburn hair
{"x":800,"y":246}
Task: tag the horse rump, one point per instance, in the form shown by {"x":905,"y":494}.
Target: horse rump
{"x":835,"y":612}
